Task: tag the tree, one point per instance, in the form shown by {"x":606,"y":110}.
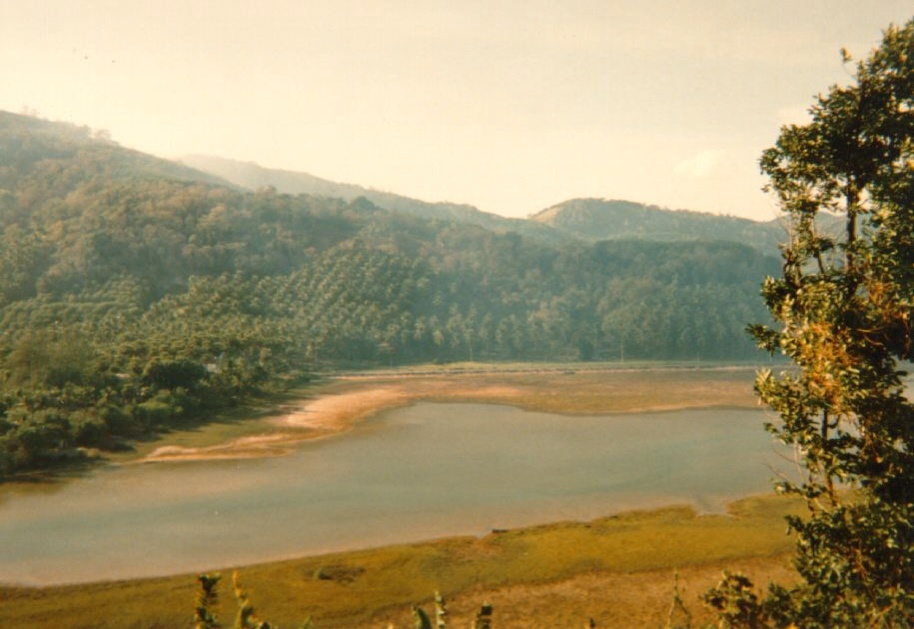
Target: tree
{"x":842,"y":313}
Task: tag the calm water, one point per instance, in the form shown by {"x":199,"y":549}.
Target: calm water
{"x":421,"y":472}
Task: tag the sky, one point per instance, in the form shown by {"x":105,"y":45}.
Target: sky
{"x":508,"y":105}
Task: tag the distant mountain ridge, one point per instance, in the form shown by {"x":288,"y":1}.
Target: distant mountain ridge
{"x":590,"y":220}
{"x":252,"y":176}
{"x":602,"y":219}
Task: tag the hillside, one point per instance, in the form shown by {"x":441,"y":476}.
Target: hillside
{"x":591,"y":220}
{"x":253,"y":177}
{"x":601,"y":219}
{"x":37,"y":149}
{"x":135,"y":293}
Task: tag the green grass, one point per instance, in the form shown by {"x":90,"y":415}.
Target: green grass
{"x":349,"y":589}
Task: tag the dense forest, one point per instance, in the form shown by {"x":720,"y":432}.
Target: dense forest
{"x":135,"y":291}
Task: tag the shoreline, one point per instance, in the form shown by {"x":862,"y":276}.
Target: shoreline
{"x":569,"y":556}
{"x":350,"y":399}
{"x":376,"y":586}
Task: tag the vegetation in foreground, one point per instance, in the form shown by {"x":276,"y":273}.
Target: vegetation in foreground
{"x":843,"y":309}
{"x":620,"y":571}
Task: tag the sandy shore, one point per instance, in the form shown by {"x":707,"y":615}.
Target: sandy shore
{"x":321,"y":417}
{"x":352,"y":401}
{"x":325,"y":416}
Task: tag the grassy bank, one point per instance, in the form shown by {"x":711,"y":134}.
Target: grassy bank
{"x":617,"y":570}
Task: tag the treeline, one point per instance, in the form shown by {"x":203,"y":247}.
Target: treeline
{"x":135,"y":292}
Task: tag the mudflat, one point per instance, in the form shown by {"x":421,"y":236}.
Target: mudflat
{"x":341,"y":401}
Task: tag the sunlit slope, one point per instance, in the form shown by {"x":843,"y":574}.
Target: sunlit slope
{"x":602,"y":219}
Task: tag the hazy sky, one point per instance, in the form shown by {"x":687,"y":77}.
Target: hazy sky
{"x":509,"y":105}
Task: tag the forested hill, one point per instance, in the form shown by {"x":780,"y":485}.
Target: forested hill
{"x":134,"y":292}
{"x":601,"y":219}
{"x":40,"y":151}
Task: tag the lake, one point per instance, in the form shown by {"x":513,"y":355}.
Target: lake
{"x":421,"y":472}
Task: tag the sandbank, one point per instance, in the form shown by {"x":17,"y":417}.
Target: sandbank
{"x":348,"y":401}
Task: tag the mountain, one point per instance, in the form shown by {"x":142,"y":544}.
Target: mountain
{"x":252,"y":176}
{"x":136,"y":293}
{"x":601,"y":219}
{"x":590,"y":220}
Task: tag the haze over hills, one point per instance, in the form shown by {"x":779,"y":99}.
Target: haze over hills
{"x":591,"y":220}
{"x":252,"y":177}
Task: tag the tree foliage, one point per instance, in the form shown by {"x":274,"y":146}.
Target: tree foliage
{"x":843,"y":309}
